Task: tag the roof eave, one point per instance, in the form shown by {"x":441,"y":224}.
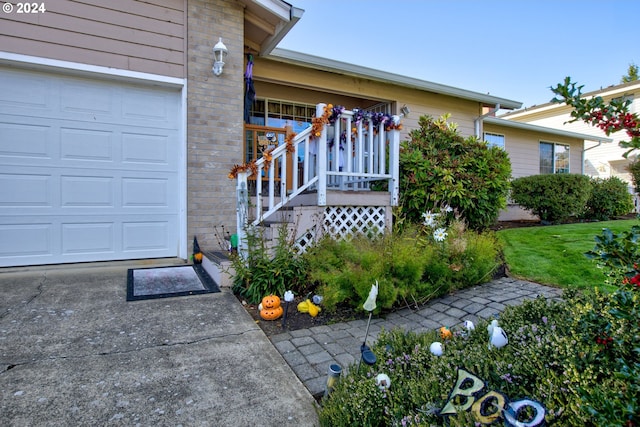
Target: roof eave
{"x":544,"y":129}
{"x":330,"y":65}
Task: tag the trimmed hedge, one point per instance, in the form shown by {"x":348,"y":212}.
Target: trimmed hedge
{"x":552,"y":197}
{"x":609,"y":198}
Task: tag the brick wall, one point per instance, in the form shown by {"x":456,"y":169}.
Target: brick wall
{"x":214,"y":117}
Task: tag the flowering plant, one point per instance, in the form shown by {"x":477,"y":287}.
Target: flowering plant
{"x":611,"y":117}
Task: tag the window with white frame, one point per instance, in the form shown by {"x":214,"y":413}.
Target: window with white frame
{"x":554,"y":158}
{"x":494,"y":139}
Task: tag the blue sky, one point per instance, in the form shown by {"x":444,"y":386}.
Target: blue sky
{"x":514,"y":49}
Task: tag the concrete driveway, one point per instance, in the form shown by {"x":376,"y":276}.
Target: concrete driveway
{"x":74,"y":352}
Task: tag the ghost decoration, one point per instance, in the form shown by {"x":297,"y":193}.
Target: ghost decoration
{"x":370,"y":303}
{"x":436,"y":349}
{"x":497,"y":336}
{"x":383,"y":381}
{"x":469,"y":326}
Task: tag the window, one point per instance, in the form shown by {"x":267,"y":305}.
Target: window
{"x":554,"y":158}
{"x":494,"y":140}
{"x":273,"y":113}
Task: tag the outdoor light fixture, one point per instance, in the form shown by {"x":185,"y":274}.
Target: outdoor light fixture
{"x":219,"y":53}
{"x":405,"y":111}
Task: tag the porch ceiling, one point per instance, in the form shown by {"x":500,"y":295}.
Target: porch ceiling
{"x":266,"y":22}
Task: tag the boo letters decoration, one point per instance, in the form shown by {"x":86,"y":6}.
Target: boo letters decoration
{"x":490,"y":406}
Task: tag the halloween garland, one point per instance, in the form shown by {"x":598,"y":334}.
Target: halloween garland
{"x":329,"y":116}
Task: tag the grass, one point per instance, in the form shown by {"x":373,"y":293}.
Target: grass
{"x":554,"y":255}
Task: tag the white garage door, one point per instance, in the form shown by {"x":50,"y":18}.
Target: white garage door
{"x":89,"y":169}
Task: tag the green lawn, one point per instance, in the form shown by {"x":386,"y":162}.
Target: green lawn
{"x":554,"y":255}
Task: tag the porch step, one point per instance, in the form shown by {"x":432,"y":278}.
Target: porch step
{"x":218,"y":265}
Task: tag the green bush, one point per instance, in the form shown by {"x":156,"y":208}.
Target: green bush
{"x":578,"y":357}
{"x":552,"y":197}
{"x":267,"y":271}
{"x":411,"y":266}
{"x":608,"y":198}
{"x":437,"y":164}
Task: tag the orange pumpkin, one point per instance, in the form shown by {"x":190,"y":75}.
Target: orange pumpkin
{"x":271,"y":313}
{"x":271,"y":301}
{"x":445,"y":333}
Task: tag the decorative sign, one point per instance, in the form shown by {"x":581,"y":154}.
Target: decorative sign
{"x":491,"y":406}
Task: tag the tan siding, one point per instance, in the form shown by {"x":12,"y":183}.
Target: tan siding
{"x":126,"y":34}
{"x":523,"y":147}
{"x":335,"y":86}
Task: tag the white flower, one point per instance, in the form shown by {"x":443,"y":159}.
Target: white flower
{"x":439,"y":235}
{"x":447,"y":209}
{"x":429,"y":218}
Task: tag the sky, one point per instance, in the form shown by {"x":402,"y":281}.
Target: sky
{"x":514,"y":49}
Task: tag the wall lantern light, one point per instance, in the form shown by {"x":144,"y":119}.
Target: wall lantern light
{"x":219,"y":53}
{"x":405,"y":111}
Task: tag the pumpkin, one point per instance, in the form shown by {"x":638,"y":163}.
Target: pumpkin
{"x":197,"y":258}
{"x":271,"y":301}
{"x":445,"y":333}
{"x":271,"y":313}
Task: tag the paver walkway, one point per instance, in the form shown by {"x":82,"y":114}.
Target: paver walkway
{"x":310,"y":352}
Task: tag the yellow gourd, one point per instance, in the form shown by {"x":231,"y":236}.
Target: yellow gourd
{"x":307,"y":306}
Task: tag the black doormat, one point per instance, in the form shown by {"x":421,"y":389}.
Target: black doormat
{"x":163,"y":282}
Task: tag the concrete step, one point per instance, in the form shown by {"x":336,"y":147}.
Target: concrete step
{"x":219,"y":266}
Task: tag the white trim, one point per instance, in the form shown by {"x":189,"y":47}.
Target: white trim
{"x":544,"y":129}
{"x":39,"y":63}
{"x":182,"y":215}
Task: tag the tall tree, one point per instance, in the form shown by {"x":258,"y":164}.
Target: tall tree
{"x":632,"y":74}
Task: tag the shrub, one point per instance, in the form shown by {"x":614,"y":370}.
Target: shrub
{"x":268,"y":271}
{"x":437,"y":164}
{"x":411,"y":266}
{"x":608,"y":198}
{"x":552,"y":197}
{"x":578,"y":357}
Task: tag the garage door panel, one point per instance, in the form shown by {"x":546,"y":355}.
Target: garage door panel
{"x":150,"y":149}
{"x":89,"y":170}
{"x":24,"y":140}
{"x":25,"y":190}
{"x":87,"y":144}
{"x":87,"y":191}
{"x":145,"y":235}
{"x":145,"y":192}
{"x":24,"y":238}
{"x":88,"y":238}
{"x":24,"y":92}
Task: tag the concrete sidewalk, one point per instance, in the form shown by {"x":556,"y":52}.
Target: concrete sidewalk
{"x":74,"y":352}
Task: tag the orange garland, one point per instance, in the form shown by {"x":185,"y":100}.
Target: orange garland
{"x":317,"y":124}
{"x":268,"y":156}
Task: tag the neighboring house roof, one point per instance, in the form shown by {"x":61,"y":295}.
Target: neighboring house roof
{"x":543,"y":129}
{"x":305,"y":60}
{"x":611,"y":91}
{"x":266,"y":22}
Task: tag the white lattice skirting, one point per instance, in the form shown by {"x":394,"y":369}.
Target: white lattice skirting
{"x":347,"y":221}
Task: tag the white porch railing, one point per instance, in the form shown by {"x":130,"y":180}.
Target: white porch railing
{"x":348,"y":155}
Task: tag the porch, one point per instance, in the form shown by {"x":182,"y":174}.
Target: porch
{"x":339,"y":176}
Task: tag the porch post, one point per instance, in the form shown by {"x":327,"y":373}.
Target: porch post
{"x":242,"y":208}
{"x":322,"y":159}
{"x":394,"y":163}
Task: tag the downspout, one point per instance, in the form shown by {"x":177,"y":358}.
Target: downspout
{"x":478,"y":122}
{"x":582,"y":154}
